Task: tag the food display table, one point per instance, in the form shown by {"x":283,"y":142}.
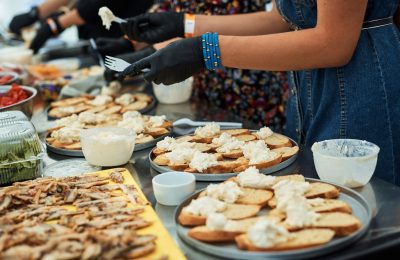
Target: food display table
{"x":383,"y":197}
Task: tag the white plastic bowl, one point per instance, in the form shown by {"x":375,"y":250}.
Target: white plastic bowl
{"x":171,"y":188}
{"x":18,"y":55}
{"x":108,"y":146}
{"x":347,"y":162}
{"x":175,"y":93}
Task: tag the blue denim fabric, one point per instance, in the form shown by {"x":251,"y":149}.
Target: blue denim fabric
{"x":359,"y":100}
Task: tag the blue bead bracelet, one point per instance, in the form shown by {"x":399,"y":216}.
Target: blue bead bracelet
{"x":211,"y":52}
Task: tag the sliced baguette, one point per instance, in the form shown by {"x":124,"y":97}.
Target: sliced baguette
{"x":251,"y":196}
{"x":232,"y":211}
{"x":286,"y":152}
{"x":233,"y":154}
{"x":277,"y":141}
{"x":143,"y":139}
{"x":236,"y":132}
{"x":206,"y":234}
{"x":342,"y":223}
{"x":274,"y":161}
{"x":178,"y":166}
{"x":299,"y":240}
{"x":246,"y":137}
{"x":161,"y":160}
{"x":156,"y":132}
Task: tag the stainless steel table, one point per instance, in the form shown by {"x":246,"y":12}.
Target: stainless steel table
{"x":383,"y":197}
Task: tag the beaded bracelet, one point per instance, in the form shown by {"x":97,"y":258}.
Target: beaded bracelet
{"x":211,"y":52}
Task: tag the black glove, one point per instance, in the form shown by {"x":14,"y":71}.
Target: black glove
{"x":174,"y":63}
{"x":154,"y":27}
{"x":112,"y":47}
{"x":45,"y":32}
{"x":110,"y":75}
{"x":22,"y":20}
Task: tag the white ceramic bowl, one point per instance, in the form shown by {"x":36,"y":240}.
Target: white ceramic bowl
{"x":108,"y":146}
{"x":347,"y":162}
{"x":171,"y":188}
{"x":175,"y":93}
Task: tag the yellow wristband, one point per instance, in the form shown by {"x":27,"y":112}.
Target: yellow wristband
{"x":189,"y":25}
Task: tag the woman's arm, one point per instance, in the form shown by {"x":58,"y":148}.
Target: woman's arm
{"x":50,"y":6}
{"x":71,"y":18}
{"x":330,"y":44}
{"x":259,"y":23}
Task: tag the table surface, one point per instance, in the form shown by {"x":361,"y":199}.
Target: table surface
{"x":383,"y":197}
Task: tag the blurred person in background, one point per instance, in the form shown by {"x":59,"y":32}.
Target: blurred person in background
{"x":84,"y":14}
{"x":258,"y":96}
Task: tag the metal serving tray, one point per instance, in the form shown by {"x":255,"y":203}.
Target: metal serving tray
{"x":361,"y":210}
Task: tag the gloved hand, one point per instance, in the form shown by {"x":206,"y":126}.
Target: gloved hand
{"x":49,"y":28}
{"x":22,"y":20}
{"x":110,"y":75}
{"x":154,"y":27}
{"x":174,"y":63}
{"x":112,"y":47}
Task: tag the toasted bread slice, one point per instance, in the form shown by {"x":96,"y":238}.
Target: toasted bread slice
{"x":299,"y":240}
{"x":296,"y":177}
{"x":251,"y":196}
{"x":157,"y":151}
{"x":186,"y":138}
{"x":138,"y":105}
{"x":202,"y":147}
{"x":68,"y":102}
{"x":232,"y":211}
{"x":111,"y":110}
{"x":227,"y":166}
{"x":317,"y":190}
{"x":274,"y":161}
{"x":156,"y":132}
{"x":97,"y":109}
{"x":332,"y":205}
{"x":236,"y":132}
{"x":206,"y":234}
{"x":277,"y":141}
{"x":286,"y":152}
{"x":73,"y":146}
{"x":342,"y":223}
{"x":142,"y":97}
{"x":246,"y":137}
{"x":58,"y":113}
{"x":161,"y":160}
{"x":178,"y":166}
{"x":322,"y":190}
{"x":144,"y":139}
{"x":205,"y":140}
{"x":233,"y":154}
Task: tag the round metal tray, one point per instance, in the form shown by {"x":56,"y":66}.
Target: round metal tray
{"x":79,"y":153}
{"x":361,"y":210}
{"x":152,"y":104}
{"x":225,"y":176}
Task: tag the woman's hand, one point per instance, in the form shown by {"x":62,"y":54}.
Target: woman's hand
{"x":154,"y":27}
{"x":112,"y":47}
{"x":22,"y":20}
{"x":174,"y":63}
{"x":49,"y":28}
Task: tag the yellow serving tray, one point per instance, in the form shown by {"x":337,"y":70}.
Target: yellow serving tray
{"x":165,"y":245}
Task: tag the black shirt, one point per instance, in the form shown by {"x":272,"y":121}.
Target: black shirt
{"x":89,"y":9}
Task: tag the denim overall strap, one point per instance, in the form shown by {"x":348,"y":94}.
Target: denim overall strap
{"x":377,"y":23}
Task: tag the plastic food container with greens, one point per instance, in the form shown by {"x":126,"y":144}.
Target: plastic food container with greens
{"x":21,"y":152}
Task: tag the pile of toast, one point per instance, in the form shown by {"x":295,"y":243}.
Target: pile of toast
{"x":233,"y":161}
{"x":149,"y":134}
{"x":335,"y":218}
{"x":76,"y":105}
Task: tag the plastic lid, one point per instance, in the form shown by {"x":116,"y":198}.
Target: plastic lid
{"x":68,"y":168}
{"x":10,"y":117}
{"x":19,"y":140}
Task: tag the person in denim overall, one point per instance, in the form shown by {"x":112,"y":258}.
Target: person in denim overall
{"x":359,"y":100}
{"x":354,"y":94}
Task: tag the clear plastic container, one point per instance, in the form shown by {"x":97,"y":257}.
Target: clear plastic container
{"x":21,"y":152}
{"x":10,"y":117}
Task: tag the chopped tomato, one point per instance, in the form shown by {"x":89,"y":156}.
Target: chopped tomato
{"x":14,"y":95}
{"x":5,"y":79}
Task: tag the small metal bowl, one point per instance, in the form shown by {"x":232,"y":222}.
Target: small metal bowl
{"x":26,"y":106}
{"x":14,"y":76}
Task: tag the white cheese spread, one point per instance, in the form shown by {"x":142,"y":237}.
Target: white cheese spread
{"x":125,"y":99}
{"x":181,"y":156}
{"x":231,"y":146}
{"x":267,"y":233}
{"x":112,"y":89}
{"x":106,"y":16}
{"x":264,"y":133}
{"x":202,"y":161}
{"x":228,"y":192}
{"x":299,"y":213}
{"x":204,"y":206}
{"x":257,"y":152}
{"x":209,"y":130}
{"x":252,"y":178}
{"x":67,"y":134}
{"x":92,"y":118}
{"x":285,"y":190}
{"x":101,"y":100}
{"x":131,"y":114}
{"x":222,"y":139}
{"x":137,"y":124}
{"x":68,"y":121}
{"x":157,"y":121}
